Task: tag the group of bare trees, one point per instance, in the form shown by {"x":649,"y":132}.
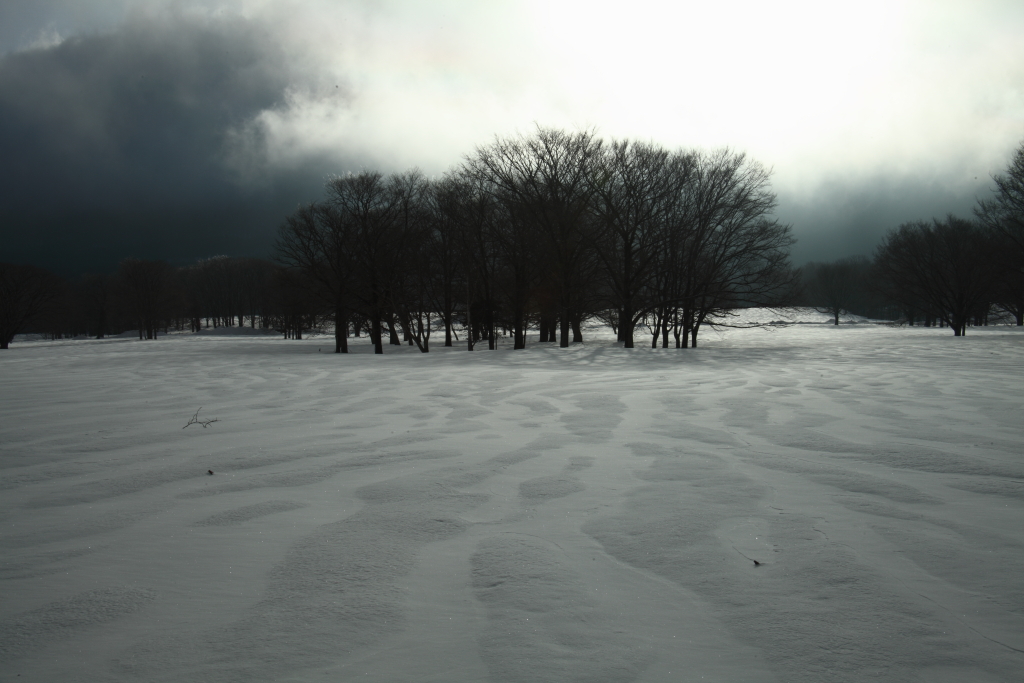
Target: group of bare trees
{"x":1003,"y":216}
{"x":25,"y":291}
{"x":942,"y":270}
{"x":544,"y":230}
{"x":953,"y":271}
{"x":838,"y":287}
{"x":150,"y":296}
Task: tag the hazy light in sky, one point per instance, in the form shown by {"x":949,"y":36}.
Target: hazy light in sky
{"x":813,"y":89}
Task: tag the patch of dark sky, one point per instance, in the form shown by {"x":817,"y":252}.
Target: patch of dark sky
{"x":847,"y":219}
{"x":118,"y":144}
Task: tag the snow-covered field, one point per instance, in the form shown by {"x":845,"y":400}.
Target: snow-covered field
{"x":811,"y":503}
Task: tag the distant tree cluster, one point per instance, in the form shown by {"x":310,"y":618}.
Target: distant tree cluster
{"x":546,"y":231}
{"x":838,"y":287}
{"x":1003,"y":217}
{"x":150,"y":296}
{"x":953,"y":272}
{"x":25,"y":292}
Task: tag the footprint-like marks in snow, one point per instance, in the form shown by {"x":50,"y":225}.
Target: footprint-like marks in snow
{"x":812,"y":608}
{"x":41,"y":564}
{"x":996,"y":487}
{"x":338,"y":589}
{"x":312,"y":474}
{"x":63,"y":529}
{"x":541,"y":489}
{"x":844,"y":479}
{"x":143,"y":479}
{"x":249,"y":512}
{"x":542,"y":623}
{"x":65,"y":617}
{"x":596,"y":419}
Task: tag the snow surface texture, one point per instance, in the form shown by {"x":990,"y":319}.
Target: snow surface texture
{"x":582,"y":514}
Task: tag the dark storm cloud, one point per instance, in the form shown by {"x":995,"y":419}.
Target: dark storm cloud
{"x":115,"y":144}
{"x":841,"y":220}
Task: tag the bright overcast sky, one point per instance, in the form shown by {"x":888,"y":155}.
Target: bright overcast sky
{"x":870,"y":113}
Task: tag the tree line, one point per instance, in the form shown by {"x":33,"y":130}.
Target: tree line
{"x":542,"y":231}
{"x":545,"y":231}
{"x":954,"y":272}
{"x":149,"y":297}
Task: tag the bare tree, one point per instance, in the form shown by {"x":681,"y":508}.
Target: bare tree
{"x":369,"y":206}
{"x":255,"y":282}
{"x":734,"y":252}
{"x":1004,"y":213}
{"x":634,"y":186}
{"x":546,"y":177}
{"x":444,"y":207}
{"x":25,"y":293}
{"x":836,"y":287}
{"x":317,"y":240}
{"x":485,"y":225}
{"x":95,"y":294}
{"x":409,"y":295}
{"x":145,"y":289}
{"x":944,"y":266}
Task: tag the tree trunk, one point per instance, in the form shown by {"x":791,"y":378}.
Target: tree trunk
{"x":375,"y":334}
{"x":393,"y":331}
{"x":489,"y":321}
{"x":424,"y":332}
{"x":696,"y":326}
{"x":687,"y":325}
{"x":518,"y":329}
{"x":340,"y":330}
{"x":563,"y":341}
{"x":469,"y":321}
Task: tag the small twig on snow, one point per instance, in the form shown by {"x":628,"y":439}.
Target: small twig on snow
{"x":196,"y":421}
{"x":756,"y":563}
